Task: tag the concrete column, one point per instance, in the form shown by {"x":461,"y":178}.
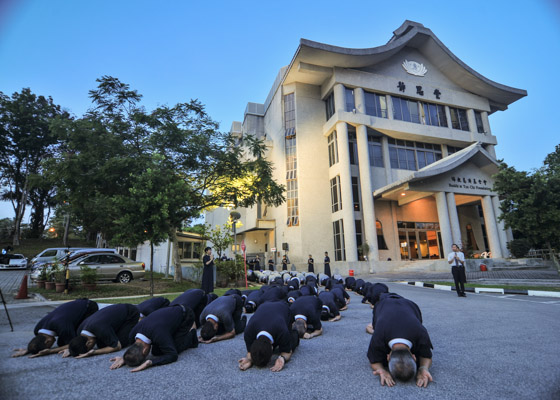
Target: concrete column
{"x":491,"y":150}
{"x":444,"y":226}
{"x":472,"y":122}
{"x":449,"y":124}
{"x":389,"y":102}
{"x":454,"y":219}
{"x":339,"y":100}
{"x":367,"y":193}
{"x":359,"y":100}
{"x":394,"y":219}
{"x":386,"y":159}
{"x":501,"y":227}
{"x":351,"y":246}
{"x":491,"y":227}
{"x":486,"y":123}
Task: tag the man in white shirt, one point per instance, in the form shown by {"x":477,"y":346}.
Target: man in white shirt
{"x":457,"y":260}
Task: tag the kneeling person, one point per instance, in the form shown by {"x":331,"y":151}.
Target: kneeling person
{"x":306,"y":312}
{"x":221,"y":319}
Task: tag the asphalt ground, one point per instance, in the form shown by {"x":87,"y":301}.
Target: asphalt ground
{"x":486,"y":346}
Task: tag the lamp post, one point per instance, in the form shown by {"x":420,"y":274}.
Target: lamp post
{"x":234,"y":216}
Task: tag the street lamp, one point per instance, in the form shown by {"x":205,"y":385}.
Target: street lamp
{"x":234,"y":216}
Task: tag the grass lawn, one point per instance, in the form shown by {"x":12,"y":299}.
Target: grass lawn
{"x":134,"y":288}
{"x":512,"y":287}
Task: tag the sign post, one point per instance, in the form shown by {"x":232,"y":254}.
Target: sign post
{"x":244,"y":261}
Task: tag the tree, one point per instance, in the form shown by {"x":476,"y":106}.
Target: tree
{"x":26,"y":140}
{"x":220,"y":237}
{"x":530,"y":201}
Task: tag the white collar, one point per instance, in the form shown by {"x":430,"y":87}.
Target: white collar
{"x":143,"y":338}
{"x":326,"y":308}
{"x":400,"y":340}
{"x":300,"y":316}
{"x":212,"y":317}
{"x":265,"y":334}
{"x":47,"y":332}
{"x":87,"y":333}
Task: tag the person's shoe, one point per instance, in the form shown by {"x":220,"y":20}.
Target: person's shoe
{"x":463,"y":294}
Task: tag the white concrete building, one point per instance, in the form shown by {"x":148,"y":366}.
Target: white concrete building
{"x":389,"y":146}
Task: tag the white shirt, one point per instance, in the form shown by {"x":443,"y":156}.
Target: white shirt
{"x":454,"y":254}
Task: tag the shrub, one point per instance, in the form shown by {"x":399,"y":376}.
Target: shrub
{"x":519,"y":247}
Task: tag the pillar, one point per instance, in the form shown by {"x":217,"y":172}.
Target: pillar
{"x":501,"y":227}
{"x":454,"y":219}
{"x":351,"y":246}
{"x":386,"y":159}
{"x":339,"y":100}
{"x":491,"y":227}
{"x":444,"y":225}
{"x":359,"y":100}
{"x":366,"y":187}
{"x":486,"y":123}
{"x":389,"y":103}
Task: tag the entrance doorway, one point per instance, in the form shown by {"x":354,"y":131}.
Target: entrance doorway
{"x":419,"y":240}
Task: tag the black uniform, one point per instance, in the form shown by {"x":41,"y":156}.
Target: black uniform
{"x":228,"y":311}
{"x":273,"y":318}
{"x":111,"y":325}
{"x":293,"y":295}
{"x":65,"y":319}
{"x":310,"y":307}
{"x":330,"y":308}
{"x":195,"y":299}
{"x":340,"y":296}
{"x":293,"y":284}
{"x":310,"y":265}
{"x":397,"y":317}
{"x":271,"y":265}
{"x":253,"y":301}
{"x":328,"y":266}
{"x":272,"y":293}
{"x":207,"y":275}
{"x":284,"y":264}
{"x":170,"y":333}
{"x":150,"y":305}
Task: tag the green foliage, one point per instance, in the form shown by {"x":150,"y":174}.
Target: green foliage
{"x":220,"y":238}
{"x":88,"y":275}
{"x":531,"y":201}
{"x":231,"y":269}
{"x":519,"y":247}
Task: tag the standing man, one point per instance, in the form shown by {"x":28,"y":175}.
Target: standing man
{"x":271,"y":264}
{"x":284,"y":263}
{"x":310,"y":264}
{"x":457,"y":260}
{"x":208,"y":271}
{"x":400,"y":347}
{"x":327,"y":264}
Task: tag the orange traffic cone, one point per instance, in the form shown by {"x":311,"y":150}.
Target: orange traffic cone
{"x":22,"y":294}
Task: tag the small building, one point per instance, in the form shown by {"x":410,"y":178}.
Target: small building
{"x":386,"y":153}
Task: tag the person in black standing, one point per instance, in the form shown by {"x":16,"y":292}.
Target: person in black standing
{"x":271,"y":264}
{"x":310,"y":264}
{"x":208,"y":271}
{"x":284,"y":263}
{"x":327,"y":264}
{"x":457,"y":260}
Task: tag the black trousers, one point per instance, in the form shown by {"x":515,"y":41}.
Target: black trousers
{"x":185,"y":337}
{"x":459,"y":277}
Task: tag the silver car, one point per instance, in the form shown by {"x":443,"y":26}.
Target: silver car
{"x":109,"y":266}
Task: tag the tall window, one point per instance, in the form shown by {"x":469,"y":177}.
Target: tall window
{"x":349,"y":99}
{"x":405,"y":109}
{"x":336,"y":199}
{"x":375,"y":151}
{"x":459,"y":118}
{"x":356,"y":193}
{"x":291,"y":160}
{"x":338,"y":235}
{"x":376,"y":104}
{"x":412,"y":155}
{"x":329,"y":105}
{"x":453,"y":149}
{"x":333,"y":149}
{"x":352,"y":145}
{"x":359,"y":238}
{"x":479,"y":124}
{"x":434,"y":114}
{"x":189,"y":250}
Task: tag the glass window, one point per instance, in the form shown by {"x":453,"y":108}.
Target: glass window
{"x":375,"y":151}
{"x":376,"y":104}
{"x":352,"y":145}
{"x":338,"y":235}
{"x":289,"y":113}
{"x":329,"y":105}
{"x":336,"y":200}
{"x":356,"y":193}
{"x":479,"y":124}
{"x":291,"y":163}
{"x":434,"y":114}
{"x":359,"y":238}
{"x":333,"y":149}
{"x":405,"y":109}
{"x":349,"y":98}
{"x":412,"y":155}
{"x":453,"y":149}
{"x":459,"y":119}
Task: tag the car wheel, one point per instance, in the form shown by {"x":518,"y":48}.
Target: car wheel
{"x":124,"y":277}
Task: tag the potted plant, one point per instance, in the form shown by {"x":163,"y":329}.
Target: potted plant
{"x":88,"y":277}
{"x":60,"y":280}
{"x":42,"y":278}
{"x":50,"y":283}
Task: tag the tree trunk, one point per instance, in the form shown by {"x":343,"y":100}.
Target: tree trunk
{"x":176,"y":260}
{"x":553,"y":256}
{"x":19,"y":214}
{"x":66,"y":229}
{"x":151,"y":269}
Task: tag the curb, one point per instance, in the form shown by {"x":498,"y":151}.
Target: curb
{"x":539,"y":293}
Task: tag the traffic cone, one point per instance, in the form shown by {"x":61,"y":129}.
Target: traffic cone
{"x":22,"y":294}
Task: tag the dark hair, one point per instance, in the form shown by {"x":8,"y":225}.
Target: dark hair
{"x":37,"y":344}
{"x":401,"y":365}
{"x":299,"y":327}
{"x":134,"y":356}
{"x":77,"y":346}
{"x":207,"y":331}
{"x":325,"y":314}
{"x":207,"y":248}
{"x":261,"y":351}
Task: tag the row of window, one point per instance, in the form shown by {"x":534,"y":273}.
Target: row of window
{"x":291,"y":161}
{"x":408,"y":110}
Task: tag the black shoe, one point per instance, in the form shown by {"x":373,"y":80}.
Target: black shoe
{"x":463,"y":294}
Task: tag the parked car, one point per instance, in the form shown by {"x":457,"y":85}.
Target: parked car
{"x":109,"y":266}
{"x":13,"y":261}
{"x":52,"y":254}
{"x":67,"y":257}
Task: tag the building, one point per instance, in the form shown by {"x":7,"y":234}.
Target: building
{"x":387,"y":155}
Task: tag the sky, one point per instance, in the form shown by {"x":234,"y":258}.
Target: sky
{"x":227,"y":53}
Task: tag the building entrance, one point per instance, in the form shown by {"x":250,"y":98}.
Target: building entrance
{"x":419,"y":240}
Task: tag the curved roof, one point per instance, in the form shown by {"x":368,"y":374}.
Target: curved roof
{"x":319,"y":58}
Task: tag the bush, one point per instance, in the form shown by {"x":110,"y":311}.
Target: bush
{"x":519,"y":247}
{"x":88,"y":275}
{"x":231,"y":269}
